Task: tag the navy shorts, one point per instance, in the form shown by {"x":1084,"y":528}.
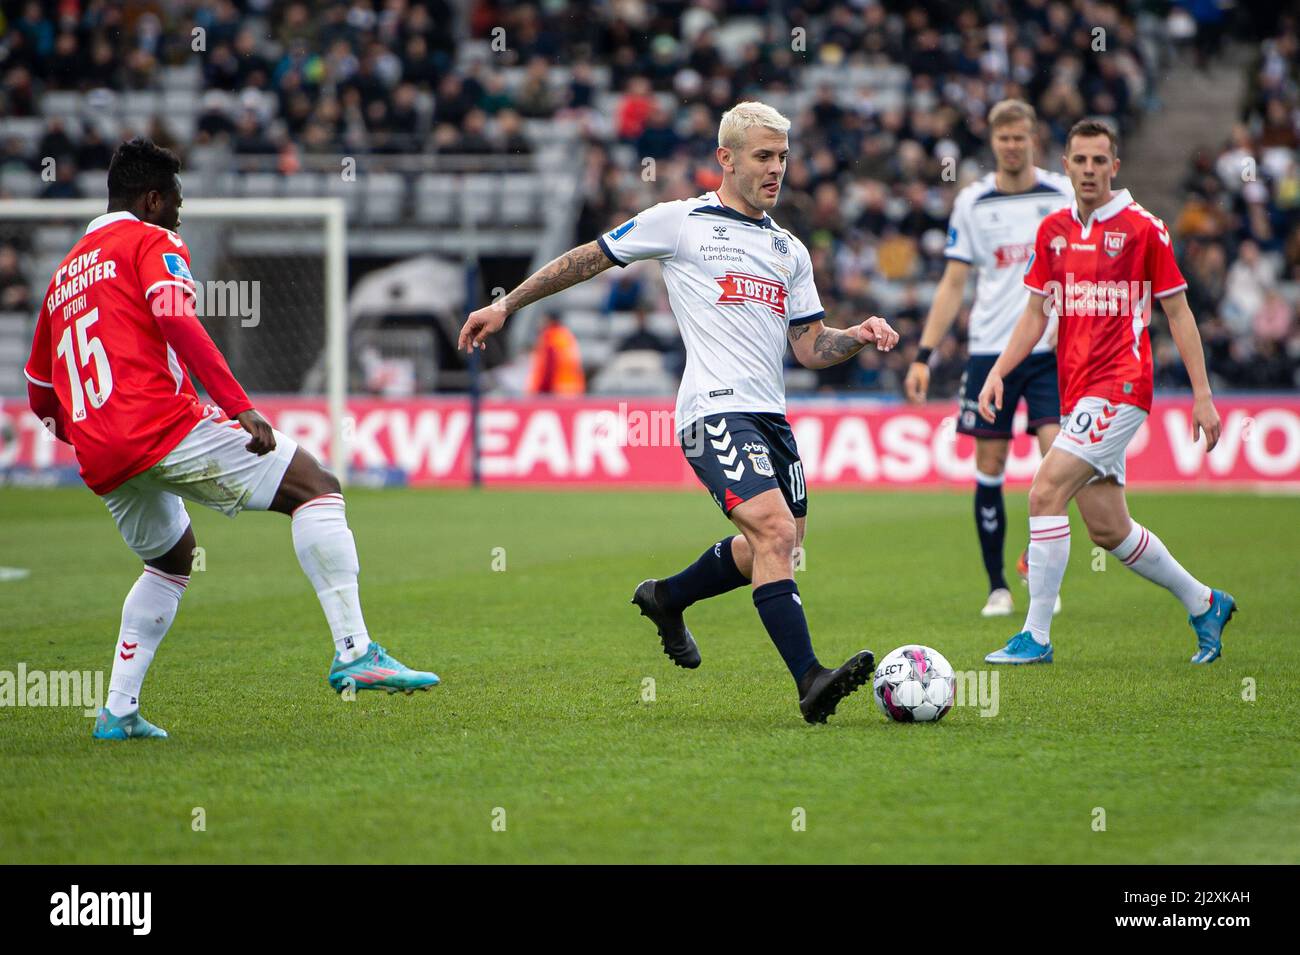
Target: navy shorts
{"x":1034,"y":379}
{"x":739,"y":455}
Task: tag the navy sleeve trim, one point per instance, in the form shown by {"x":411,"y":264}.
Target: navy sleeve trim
{"x":807,"y":319}
{"x":957,"y":258}
{"x":604,"y":247}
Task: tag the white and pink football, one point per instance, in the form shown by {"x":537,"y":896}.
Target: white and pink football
{"x":914,"y":684}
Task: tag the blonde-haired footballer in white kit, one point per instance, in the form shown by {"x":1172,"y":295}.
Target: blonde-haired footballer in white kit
{"x":741,"y":288}
{"x":992,"y":229}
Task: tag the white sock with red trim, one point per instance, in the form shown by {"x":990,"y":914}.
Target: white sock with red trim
{"x":147,"y":614}
{"x":1049,"y":552}
{"x":1145,"y":554}
{"x":328,"y":555}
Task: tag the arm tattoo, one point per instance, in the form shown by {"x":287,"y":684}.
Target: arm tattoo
{"x":576,"y":265}
{"x":799,"y":331}
{"x":833,"y":346}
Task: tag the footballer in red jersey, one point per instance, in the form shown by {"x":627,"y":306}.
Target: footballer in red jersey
{"x":1098,"y":267}
{"x":116,"y":339}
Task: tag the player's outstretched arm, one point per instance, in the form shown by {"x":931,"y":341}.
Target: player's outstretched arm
{"x":1030,"y":328}
{"x":576,"y":265}
{"x":1187,"y":339}
{"x":816,"y":346}
{"x":943,"y":312}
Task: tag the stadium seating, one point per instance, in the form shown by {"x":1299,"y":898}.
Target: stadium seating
{"x":440,"y":145}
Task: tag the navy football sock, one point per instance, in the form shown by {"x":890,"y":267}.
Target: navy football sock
{"x":991,"y":523}
{"x":713,"y":574}
{"x":781,"y":610}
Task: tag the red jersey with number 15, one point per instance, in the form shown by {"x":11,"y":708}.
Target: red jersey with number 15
{"x":1102,"y":276}
{"x":127,"y":398}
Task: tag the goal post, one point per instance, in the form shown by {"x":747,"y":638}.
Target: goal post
{"x":279,"y":259}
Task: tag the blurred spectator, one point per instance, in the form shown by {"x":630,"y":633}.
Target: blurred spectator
{"x":64,"y":185}
{"x":642,"y":338}
{"x":93,"y":152}
{"x":535,"y":98}
{"x":15,"y":293}
{"x":1249,"y":279}
{"x":625,"y":292}
{"x":557,"y":363}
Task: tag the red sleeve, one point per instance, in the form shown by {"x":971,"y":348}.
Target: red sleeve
{"x":40,"y":364}
{"x":41,"y":396}
{"x":173,"y":310}
{"x":164,"y":270}
{"x":1161,"y":267}
{"x":1038,"y":273}
{"x":45,"y":405}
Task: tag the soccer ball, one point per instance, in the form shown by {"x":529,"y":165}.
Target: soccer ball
{"x":914,"y":684}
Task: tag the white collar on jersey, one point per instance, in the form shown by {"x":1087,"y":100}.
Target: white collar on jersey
{"x":108,"y":218}
{"x":1118,"y":202}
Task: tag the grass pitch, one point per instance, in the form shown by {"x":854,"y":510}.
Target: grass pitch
{"x":541,"y":723}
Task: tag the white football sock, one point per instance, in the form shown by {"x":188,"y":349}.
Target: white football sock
{"x":1049,"y":552}
{"x":328,"y":555}
{"x":147,"y":614}
{"x":1145,"y":554}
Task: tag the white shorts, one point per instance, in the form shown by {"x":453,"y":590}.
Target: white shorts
{"x":1099,"y":431}
{"x":211,"y":467}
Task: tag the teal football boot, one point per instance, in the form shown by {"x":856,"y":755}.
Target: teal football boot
{"x":1209,"y":626}
{"x":376,"y":670}
{"x":1022,"y":648}
{"x":132,"y":726}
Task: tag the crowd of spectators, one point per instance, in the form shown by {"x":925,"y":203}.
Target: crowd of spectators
{"x":869,"y":185}
{"x":1238,"y":234}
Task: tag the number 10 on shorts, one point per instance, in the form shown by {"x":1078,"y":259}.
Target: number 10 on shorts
{"x":797,"y":489}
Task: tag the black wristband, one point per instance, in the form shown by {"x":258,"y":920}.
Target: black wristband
{"x":923,"y":355}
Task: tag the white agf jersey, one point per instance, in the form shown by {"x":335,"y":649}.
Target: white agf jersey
{"x":736,"y":285}
{"x":995,"y":232}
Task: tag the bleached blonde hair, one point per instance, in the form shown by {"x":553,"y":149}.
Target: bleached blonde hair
{"x":742,"y":116}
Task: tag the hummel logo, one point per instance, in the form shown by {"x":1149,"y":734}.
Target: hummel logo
{"x":128,"y":646}
{"x":716,"y":429}
{"x":723,"y":444}
{"x":989,"y":519}
{"x":728,"y":460}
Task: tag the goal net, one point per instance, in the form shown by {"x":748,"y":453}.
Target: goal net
{"x":271,"y":276}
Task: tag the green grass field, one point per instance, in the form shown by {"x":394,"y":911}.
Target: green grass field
{"x":541,"y":710}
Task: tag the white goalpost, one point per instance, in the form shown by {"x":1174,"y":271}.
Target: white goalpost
{"x":291,"y":251}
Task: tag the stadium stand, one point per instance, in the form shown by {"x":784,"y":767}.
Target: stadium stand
{"x":462,"y":145}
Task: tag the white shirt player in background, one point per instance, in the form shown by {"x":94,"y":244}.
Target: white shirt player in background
{"x":993,"y":227}
{"x":740,"y":287}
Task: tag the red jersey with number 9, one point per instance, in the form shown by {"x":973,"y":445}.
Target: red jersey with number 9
{"x":1102,"y":276}
{"x":127,"y":397}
